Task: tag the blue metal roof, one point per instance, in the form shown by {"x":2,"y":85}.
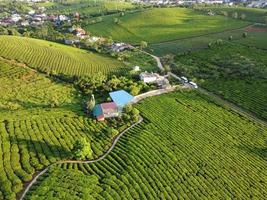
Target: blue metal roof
{"x":97,"y":111}
{"x":121,"y":97}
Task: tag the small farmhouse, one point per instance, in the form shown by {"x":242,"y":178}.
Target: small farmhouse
{"x":112,"y":109}
{"x":105,"y":110}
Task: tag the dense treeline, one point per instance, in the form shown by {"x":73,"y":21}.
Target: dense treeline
{"x":187,"y":148}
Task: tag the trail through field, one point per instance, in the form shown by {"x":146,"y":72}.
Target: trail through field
{"x":114,"y":142}
{"x":215,"y":97}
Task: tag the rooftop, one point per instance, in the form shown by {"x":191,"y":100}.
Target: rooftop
{"x":121,"y":97}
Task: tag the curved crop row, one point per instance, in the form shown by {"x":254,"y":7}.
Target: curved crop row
{"x":189,"y":148}
{"x":48,"y":56}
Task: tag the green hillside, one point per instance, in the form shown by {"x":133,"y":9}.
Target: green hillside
{"x":235,"y":72}
{"x":40,"y":119}
{"x":187,"y":148}
{"x":161,"y":24}
{"x":48,"y":56}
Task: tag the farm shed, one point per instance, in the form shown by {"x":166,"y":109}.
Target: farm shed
{"x":121,"y":98}
{"x":105,"y":110}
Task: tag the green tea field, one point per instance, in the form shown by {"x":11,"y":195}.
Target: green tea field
{"x":162,"y":24}
{"x":40,"y":119}
{"x":237,"y":73}
{"x":187,"y":148}
{"x":52,"y":57}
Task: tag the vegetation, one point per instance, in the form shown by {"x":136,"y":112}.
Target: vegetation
{"x":82,"y":149}
{"x":68,"y":185}
{"x":40,"y":120}
{"x":236,"y":72}
{"x":55,"y":58}
{"x":251,"y":14}
{"x":161,"y":24}
{"x":187,"y":148}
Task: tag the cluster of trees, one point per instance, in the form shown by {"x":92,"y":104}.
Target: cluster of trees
{"x":101,"y":84}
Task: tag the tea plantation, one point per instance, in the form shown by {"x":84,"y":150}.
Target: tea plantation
{"x":187,"y":148}
{"x":237,"y":73}
{"x":52,"y":57}
{"x":40,"y":119}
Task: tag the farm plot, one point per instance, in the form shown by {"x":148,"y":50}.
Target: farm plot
{"x":256,"y":37}
{"x":235,"y":72}
{"x":251,"y":14}
{"x":52,"y":57}
{"x":187,"y":148}
{"x":161,"y":24}
{"x":40,"y":120}
{"x":194,"y":43}
{"x":22,"y":88}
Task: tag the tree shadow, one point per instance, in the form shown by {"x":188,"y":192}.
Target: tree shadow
{"x":259,"y":151}
{"x":42,"y":148}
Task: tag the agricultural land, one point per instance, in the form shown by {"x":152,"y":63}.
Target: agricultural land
{"x":184,"y":149}
{"x":162,"y":24}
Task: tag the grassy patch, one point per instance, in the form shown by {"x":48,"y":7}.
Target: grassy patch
{"x":162,"y":24}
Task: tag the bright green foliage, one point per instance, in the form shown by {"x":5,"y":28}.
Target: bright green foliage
{"x":236,"y":72}
{"x":65,"y":184}
{"x":48,"y":56}
{"x":161,"y":24}
{"x":187,"y":148}
{"x":32,"y":133}
{"x":82,"y":149}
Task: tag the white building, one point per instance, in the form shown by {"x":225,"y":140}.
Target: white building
{"x":148,"y":77}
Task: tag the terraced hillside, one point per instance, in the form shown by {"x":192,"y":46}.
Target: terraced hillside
{"x":162,"y":24}
{"x":40,"y":119}
{"x":187,"y":148}
{"x":235,"y":72}
{"x":52,"y":57}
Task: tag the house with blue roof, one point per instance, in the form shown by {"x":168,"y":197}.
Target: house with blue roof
{"x":121,"y":98}
{"x":112,"y":109}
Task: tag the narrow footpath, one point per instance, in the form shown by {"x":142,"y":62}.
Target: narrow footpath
{"x":114,"y":142}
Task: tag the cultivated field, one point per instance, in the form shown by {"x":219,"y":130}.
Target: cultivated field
{"x":187,"y":148}
{"x":237,"y":73}
{"x":40,"y":119}
{"x":162,"y":24}
{"x":251,"y":14}
{"x":52,"y":57}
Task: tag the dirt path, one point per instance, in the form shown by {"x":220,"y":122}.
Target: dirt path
{"x":114,"y":142}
